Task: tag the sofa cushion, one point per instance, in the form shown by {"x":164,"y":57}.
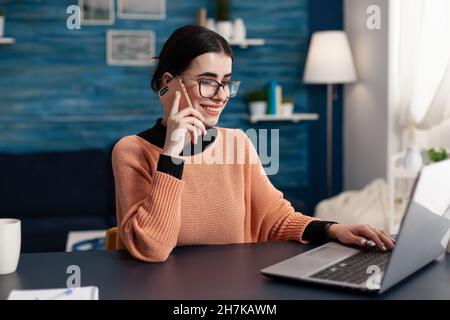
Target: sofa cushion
{"x":56,"y":184}
{"x":50,"y":234}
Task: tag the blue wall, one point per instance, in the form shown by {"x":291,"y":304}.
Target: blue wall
{"x":58,"y":93}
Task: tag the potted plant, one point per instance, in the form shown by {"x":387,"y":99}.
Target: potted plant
{"x":437,"y":155}
{"x":257,"y":102}
{"x":224,"y":26}
{"x":2,"y":23}
{"x":287,"y":106}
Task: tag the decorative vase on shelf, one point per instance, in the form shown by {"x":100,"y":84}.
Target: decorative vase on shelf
{"x":225,"y":29}
{"x":257,"y":102}
{"x":239,"y":31}
{"x":211,"y":24}
{"x":413,"y":159}
{"x":201,"y":17}
{"x":257,"y":108}
{"x":287,"y":109}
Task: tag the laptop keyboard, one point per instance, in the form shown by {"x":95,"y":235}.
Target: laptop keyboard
{"x":354,"y":269}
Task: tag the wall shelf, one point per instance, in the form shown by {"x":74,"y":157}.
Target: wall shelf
{"x":7,"y":40}
{"x":248,"y":42}
{"x":296,"y":117}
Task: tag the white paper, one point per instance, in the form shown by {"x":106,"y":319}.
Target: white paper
{"x":81,"y":293}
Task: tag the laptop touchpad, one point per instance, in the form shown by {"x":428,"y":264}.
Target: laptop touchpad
{"x":330,"y":254}
{"x":311,"y":261}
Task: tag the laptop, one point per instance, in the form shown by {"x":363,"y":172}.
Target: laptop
{"x":423,"y":236}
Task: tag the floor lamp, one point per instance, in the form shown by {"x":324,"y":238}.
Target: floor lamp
{"x":329,"y":62}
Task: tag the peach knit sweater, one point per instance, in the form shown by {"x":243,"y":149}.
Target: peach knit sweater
{"x":218,"y":200}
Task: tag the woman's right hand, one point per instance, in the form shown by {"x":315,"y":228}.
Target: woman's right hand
{"x":182,"y":127}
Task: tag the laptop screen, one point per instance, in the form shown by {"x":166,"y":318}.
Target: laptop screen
{"x":433,"y":188}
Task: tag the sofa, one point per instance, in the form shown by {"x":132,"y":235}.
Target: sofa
{"x":53,"y":193}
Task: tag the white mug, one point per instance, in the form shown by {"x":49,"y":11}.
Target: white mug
{"x":10,"y":237}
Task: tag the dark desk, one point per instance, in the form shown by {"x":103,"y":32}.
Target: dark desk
{"x":203,"y":272}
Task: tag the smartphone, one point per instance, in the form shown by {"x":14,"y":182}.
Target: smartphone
{"x":167,"y":94}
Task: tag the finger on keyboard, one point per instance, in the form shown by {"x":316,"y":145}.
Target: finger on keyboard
{"x":370,"y":244}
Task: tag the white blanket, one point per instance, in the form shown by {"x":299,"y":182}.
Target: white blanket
{"x":367,"y":206}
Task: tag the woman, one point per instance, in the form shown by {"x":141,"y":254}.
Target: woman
{"x":167,"y":197}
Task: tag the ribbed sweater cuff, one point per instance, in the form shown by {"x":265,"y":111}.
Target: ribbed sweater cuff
{"x":163,"y":204}
{"x":169,"y":165}
{"x":295,"y":227}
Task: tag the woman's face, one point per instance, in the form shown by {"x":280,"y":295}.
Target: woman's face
{"x":208,"y":66}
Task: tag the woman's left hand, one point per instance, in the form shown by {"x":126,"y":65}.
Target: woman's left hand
{"x":360,"y":234}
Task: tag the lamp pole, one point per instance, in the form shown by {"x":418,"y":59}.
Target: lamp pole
{"x":329,"y":139}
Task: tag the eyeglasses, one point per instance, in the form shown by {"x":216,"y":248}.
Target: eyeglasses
{"x":209,"y":88}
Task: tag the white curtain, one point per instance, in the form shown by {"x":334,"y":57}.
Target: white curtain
{"x":420,"y":64}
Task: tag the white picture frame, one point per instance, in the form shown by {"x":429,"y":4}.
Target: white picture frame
{"x":130,"y":47}
{"x":141,"y":9}
{"x":97,"y":12}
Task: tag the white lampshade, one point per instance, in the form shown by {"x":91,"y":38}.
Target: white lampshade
{"x":329,"y":59}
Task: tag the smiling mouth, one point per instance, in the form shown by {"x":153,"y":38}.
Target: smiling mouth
{"x":211,"y":110}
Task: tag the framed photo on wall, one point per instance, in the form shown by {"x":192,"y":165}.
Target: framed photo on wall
{"x":130,"y":47}
{"x":97,"y":12}
{"x":141,"y":9}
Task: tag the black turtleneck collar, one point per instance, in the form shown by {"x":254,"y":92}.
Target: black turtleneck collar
{"x":156,"y":135}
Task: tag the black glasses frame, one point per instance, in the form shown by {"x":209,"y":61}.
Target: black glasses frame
{"x":219,"y":85}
